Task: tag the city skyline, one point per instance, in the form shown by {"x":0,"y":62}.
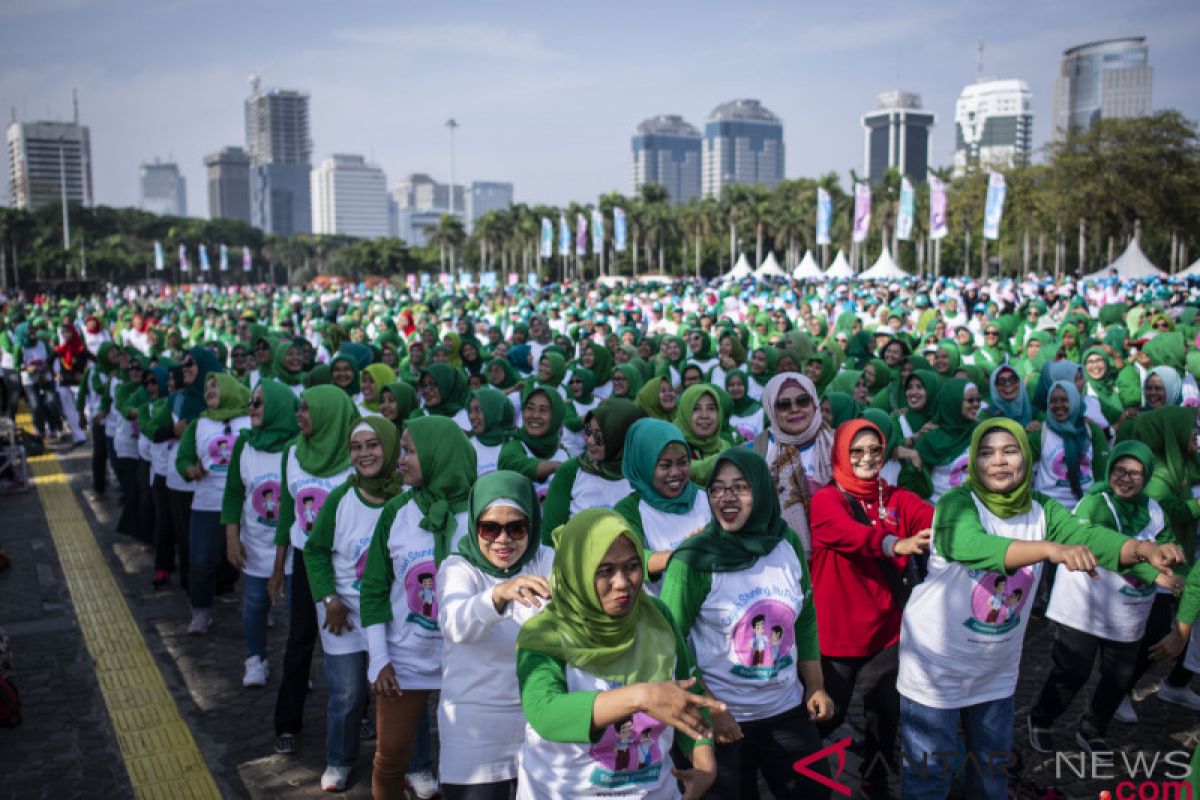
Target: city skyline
{"x":543,"y":97}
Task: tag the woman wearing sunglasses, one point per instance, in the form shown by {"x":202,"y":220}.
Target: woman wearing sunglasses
{"x":250,"y":512}
{"x":497,"y":579}
{"x":416,"y":532}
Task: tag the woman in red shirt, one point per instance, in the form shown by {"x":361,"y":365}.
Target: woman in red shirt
{"x":863,"y":530}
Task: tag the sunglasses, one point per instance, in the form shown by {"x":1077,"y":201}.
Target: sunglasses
{"x":490,"y":531}
{"x":188,"y":364}
{"x":256,"y":402}
{"x":859,"y":453}
{"x":788,"y":403}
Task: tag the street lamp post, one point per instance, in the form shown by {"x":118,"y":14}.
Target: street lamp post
{"x":451,"y":124}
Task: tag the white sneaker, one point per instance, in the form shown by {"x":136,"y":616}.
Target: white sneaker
{"x":423,"y":784}
{"x":334,"y":779}
{"x":1180,"y":696}
{"x":1125,"y":712}
{"x":201,"y":621}
{"x":256,"y":671}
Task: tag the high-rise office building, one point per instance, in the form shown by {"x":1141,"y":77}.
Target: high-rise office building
{"x":420,"y":204}
{"x":897,"y":135}
{"x":163,"y":189}
{"x":743,"y":143}
{"x":1102,"y":80}
{"x":668,"y":151}
{"x":993,"y":125}
{"x":350,"y":197}
{"x":485,"y":196}
{"x":43,"y":157}
{"x":228,"y":184}
{"x":277,"y":139}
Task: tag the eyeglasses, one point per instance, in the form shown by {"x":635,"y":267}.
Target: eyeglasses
{"x":716,"y":491}
{"x":991,"y":333}
{"x":1121,"y":474}
{"x":596,"y":436}
{"x":788,"y":403}
{"x":1007,"y":380}
{"x":490,"y":531}
{"x":859,"y":453}
{"x":1163,"y":325}
{"x":256,"y":402}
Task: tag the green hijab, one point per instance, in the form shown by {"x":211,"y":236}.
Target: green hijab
{"x":386,"y":483}
{"x":634,"y":379}
{"x":602,"y":363}
{"x":235,"y":398}
{"x":953,"y":358}
{"x":406,"y":401}
{"x":279,"y":425}
{"x":501,"y":485}
{"x":644,"y":445}
{"x":772,"y":357}
{"x":637,"y":647}
{"x":546,"y":445}
{"x":828,"y":370}
{"x":1132,"y":515}
{"x":326,"y":452}
{"x":448,"y":469}
{"x":1168,"y":349}
{"x":498,"y":416}
{"x":511,"y":376}
{"x":452,"y":386}
{"x":747,"y":405}
{"x":278,"y":371}
{"x":614,"y":416}
{"x":587,"y":379}
{"x":883,"y":376}
{"x":715,"y":549}
{"x":355,"y":386}
{"x":1002,"y":505}
{"x":383,"y":375}
{"x":950,"y":438}
{"x":845,"y":382}
{"x":558,"y":369}
{"x":648,"y":399}
{"x":1166,"y":431}
{"x":843,"y":407}
{"x":702,"y":446}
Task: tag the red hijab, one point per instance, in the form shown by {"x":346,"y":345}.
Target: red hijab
{"x":843,"y":472}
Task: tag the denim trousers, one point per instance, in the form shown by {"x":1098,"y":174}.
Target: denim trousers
{"x":206,"y":550}
{"x":346,"y":674}
{"x":770,"y":747}
{"x":256,"y":605}
{"x":929,"y":746}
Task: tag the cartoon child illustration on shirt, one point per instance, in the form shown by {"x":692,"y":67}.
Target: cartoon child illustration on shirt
{"x":1011,"y":604}
{"x":222,"y":451}
{"x":309,"y":514}
{"x":776,"y":643}
{"x":426,"y":593}
{"x":626,"y":736}
{"x":268,"y":504}
{"x":759,"y":646}
{"x":996,"y":601}
{"x":645,"y":750}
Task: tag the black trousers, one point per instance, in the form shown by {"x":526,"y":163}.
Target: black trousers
{"x":164,"y":529}
{"x":145,"y":511}
{"x":1072,"y":655}
{"x":1162,"y":618}
{"x":297,"y":656}
{"x":99,"y":458}
{"x":180,"y":506}
{"x":770,"y":746}
{"x":45,"y":407}
{"x":127,"y":477}
{"x":881,"y":705}
{"x":504,"y":790}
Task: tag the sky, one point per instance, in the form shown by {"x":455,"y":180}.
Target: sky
{"x":547,"y":94}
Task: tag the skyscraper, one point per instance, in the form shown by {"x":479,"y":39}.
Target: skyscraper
{"x":993,"y":124}
{"x":350,"y":197}
{"x":743,"y":143}
{"x":897,"y":135}
{"x":277,"y":138}
{"x":1102,"y":80}
{"x":668,"y":151}
{"x":485,"y":196}
{"x":420,"y":202}
{"x":163,"y":189}
{"x":229,"y":184}
{"x":45,"y":156}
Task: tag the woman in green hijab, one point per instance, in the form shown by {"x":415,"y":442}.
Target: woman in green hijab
{"x":599,"y":360}
{"x":491,"y":416}
{"x":397,"y":402}
{"x":701,"y":419}
{"x":627,"y":381}
{"x":761,"y":657}
{"x":746,"y":415}
{"x":946,"y":359}
{"x":581,"y":385}
{"x":821,"y":370}
{"x":343,"y":373}
{"x":593,"y":479}
{"x":536,"y":451}
{"x":496,"y":581}
{"x":552,"y":368}
{"x":444,"y":390}
{"x":658,"y":399}
{"x":1171,"y":435}
{"x":373,"y":378}
{"x":632,"y":690}
{"x":764,"y":363}
{"x":288,"y":365}
{"x":943,"y":447}
{"x":839,"y":407}
{"x":335,"y":556}
{"x":849,"y":382}
{"x":250,"y":511}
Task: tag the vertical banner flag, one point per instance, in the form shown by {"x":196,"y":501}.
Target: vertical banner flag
{"x":513,"y":278}
{"x":564,"y":236}
{"x":937,"y":208}
{"x":247,"y":263}
{"x":547,"y":248}
{"x":204,"y":258}
{"x":619,"y":229}
{"x":580,"y":235}
{"x":597,"y":231}
{"x":159,"y":263}
{"x":410,"y":280}
{"x":183,"y":262}
{"x":862,"y":211}
{"x":995,"y":206}
{"x":224,"y":258}
{"x":824,"y":215}
{"x":904,"y":221}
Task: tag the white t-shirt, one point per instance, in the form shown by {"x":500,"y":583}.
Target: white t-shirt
{"x":945,"y":477}
{"x":665,"y":531}
{"x":487,"y":457}
{"x":1051,"y":476}
{"x":308,"y":495}
{"x":214,"y":450}
{"x":593,"y":491}
{"x":259,"y":473}
{"x":750,"y":425}
{"x":354,"y":523}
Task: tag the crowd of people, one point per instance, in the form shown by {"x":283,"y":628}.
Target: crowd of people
{"x":653,"y":541}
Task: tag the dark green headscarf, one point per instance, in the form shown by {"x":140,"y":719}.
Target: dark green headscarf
{"x":588,"y":380}
{"x":355,"y":385}
{"x":279,"y":425}
{"x":386,"y":483}
{"x":843,"y":408}
{"x":614,"y":416}
{"x":511,"y":376}
{"x":1002,"y":505}
{"x":1132,"y":515}
{"x":452,"y":385}
{"x":498,"y":416}
{"x":602,"y":363}
{"x":633,"y":377}
{"x":278,"y":371}
{"x":772,"y":357}
{"x":448,"y":469}
{"x":546,"y":445}
{"x":946,"y":442}
{"x":558,"y":368}
{"x":501,"y":485}
{"x":189,"y":401}
{"x":327,"y":451}
{"x":747,"y":405}
{"x":406,"y":401}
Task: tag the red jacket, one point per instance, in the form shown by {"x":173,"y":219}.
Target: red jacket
{"x":857,"y":611}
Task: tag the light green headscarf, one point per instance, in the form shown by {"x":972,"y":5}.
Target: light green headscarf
{"x":382,"y":374}
{"x":235,"y":398}
{"x":327,"y":451}
{"x":1133,"y":515}
{"x":702,"y":446}
{"x":648,"y":399}
{"x":501,"y":485}
{"x":279,"y":418}
{"x":1020,"y":499}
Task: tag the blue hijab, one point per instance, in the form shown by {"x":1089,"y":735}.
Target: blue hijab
{"x":1073,"y":431}
{"x":644,"y":444}
{"x":1019,"y":410}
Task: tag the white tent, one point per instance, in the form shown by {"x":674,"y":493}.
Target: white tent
{"x":884,"y":269}
{"x":740,"y":270}
{"x":1194,"y":269}
{"x":770,"y":268}
{"x":1130,"y":264}
{"x":807,"y":268}
{"x":840,"y":268}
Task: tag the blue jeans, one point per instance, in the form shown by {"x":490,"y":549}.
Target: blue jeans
{"x":929,"y":746}
{"x":206,"y":550}
{"x":255,"y":607}
{"x":347,"y":677}
{"x":422,"y":758}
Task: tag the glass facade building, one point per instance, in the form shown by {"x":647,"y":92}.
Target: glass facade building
{"x":897,"y":135}
{"x":668,"y":151}
{"x":1102,"y":80}
{"x":743,"y":143}
{"x":993,"y":125}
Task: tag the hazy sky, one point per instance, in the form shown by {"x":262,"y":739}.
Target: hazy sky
{"x":547,"y":93}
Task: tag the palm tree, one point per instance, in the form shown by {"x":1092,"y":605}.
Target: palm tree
{"x":699,"y":218}
{"x":449,"y":234}
{"x":734,"y":200}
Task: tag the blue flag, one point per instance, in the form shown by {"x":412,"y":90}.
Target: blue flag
{"x":547,"y":245}
{"x":824,"y":215}
{"x":619,"y":229}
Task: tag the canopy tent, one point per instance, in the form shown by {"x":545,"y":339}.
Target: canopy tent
{"x":1194,"y":269}
{"x":807,"y":268}
{"x":840,"y":268}
{"x":740,"y":270}
{"x":884,"y":269}
{"x":1131,"y":264}
{"x":770,"y":268}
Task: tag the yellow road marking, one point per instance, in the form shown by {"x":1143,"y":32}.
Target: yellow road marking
{"x":161,"y":756}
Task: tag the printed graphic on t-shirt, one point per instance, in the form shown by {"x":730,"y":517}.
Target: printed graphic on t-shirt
{"x":628,"y":752}
{"x":958,"y":470}
{"x":1135,"y":587}
{"x":361,"y":548}
{"x":997,"y":600}
{"x":1058,"y":467}
{"x":762,"y":640}
{"x":265,"y":502}
{"x":220,"y":450}
{"x":308,"y":505}
{"x":420,"y":587}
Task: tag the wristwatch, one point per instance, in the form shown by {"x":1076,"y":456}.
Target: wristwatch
{"x":328,"y":599}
